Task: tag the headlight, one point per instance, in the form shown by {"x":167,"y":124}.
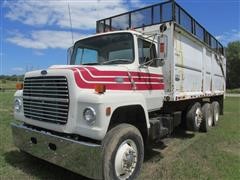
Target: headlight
{"x":17,"y":105}
{"x":89,"y":115}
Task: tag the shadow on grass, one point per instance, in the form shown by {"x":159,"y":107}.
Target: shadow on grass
{"x":154,"y":154}
{"x":181,"y":133}
{"x":38,"y":168}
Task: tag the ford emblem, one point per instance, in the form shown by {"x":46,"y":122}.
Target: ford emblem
{"x":43,"y":72}
{"x":119,"y":79}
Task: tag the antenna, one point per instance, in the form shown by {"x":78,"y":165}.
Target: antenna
{"x":70,"y":20}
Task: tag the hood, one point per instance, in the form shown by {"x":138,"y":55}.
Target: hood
{"x":86,"y":77}
{"x":92,"y":68}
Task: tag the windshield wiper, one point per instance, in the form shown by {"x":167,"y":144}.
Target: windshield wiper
{"x":117,"y":60}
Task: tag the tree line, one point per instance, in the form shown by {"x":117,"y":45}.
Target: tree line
{"x":233,"y":65}
{"x":4,"y":78}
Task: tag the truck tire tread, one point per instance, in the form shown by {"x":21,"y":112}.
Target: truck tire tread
{"x":111,"y":143}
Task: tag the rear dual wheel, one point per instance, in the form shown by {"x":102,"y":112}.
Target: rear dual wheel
{"x":194,"y":117}
{"x":207,"y":121}
{"x":210,"y":115}
{"x":202,"y":118}
{"x":216,"y":112}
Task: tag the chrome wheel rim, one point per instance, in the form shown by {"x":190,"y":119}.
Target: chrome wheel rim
{"x":216,"y":115}
{"x":126,"y":159}
{"x":210,"y":121}
{"x":198,"y":117}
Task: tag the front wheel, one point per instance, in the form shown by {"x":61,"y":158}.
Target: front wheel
{"x":123,"y":153}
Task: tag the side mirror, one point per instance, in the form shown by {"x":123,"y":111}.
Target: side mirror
{"x":159,"y":62}
{"x":69,"y":55}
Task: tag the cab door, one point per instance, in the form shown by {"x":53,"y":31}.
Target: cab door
{"x":151,"y":75}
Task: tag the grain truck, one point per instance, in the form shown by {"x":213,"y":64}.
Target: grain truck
{"x":142,"y":74}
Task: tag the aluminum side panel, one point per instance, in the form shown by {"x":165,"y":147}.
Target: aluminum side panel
{"x":198,"y":71}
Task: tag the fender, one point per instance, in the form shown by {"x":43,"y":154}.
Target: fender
{"x":113,"y":100}
{"x":127,"y":99}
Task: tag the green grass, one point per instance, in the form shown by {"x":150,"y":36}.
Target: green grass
{"x":7,"y":85}
{"x":215,"y":155}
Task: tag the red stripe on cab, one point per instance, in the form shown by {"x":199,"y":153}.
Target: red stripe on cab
{"x":88,"y":77}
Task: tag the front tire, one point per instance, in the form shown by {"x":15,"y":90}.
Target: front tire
{"x":123,"y":153}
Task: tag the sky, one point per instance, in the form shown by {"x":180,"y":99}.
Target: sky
{"x":35,"y":34}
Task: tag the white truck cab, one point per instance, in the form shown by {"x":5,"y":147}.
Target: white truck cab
{"x":144,"y":73}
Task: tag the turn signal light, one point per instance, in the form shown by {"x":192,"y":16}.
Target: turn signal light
{"x":19,"y":86}
{"x":100,"y":88}
{"x":108,"y":111}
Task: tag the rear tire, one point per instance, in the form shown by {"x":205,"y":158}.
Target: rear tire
{"x":194,"y":117}
{"x":207,"y":117}
{"x":123,"y":153}
{"x":216,"y":112}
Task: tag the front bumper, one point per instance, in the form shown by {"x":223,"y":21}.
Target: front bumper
{"x":80,"y":157}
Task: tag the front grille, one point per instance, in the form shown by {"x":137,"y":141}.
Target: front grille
{"x":46,"y":98}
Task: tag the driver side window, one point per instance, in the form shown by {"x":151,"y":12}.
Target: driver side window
{"x":146,"y":52}
{"x":85,"y":55}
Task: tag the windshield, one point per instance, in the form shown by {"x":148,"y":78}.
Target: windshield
{"x":104,"y":50}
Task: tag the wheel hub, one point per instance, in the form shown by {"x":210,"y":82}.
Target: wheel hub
{"x":217,"y":116}
{"x":210,"y":121}
{"x":198,"y":116}
{"x":129,"y":160}
{"x":126,"y":159}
